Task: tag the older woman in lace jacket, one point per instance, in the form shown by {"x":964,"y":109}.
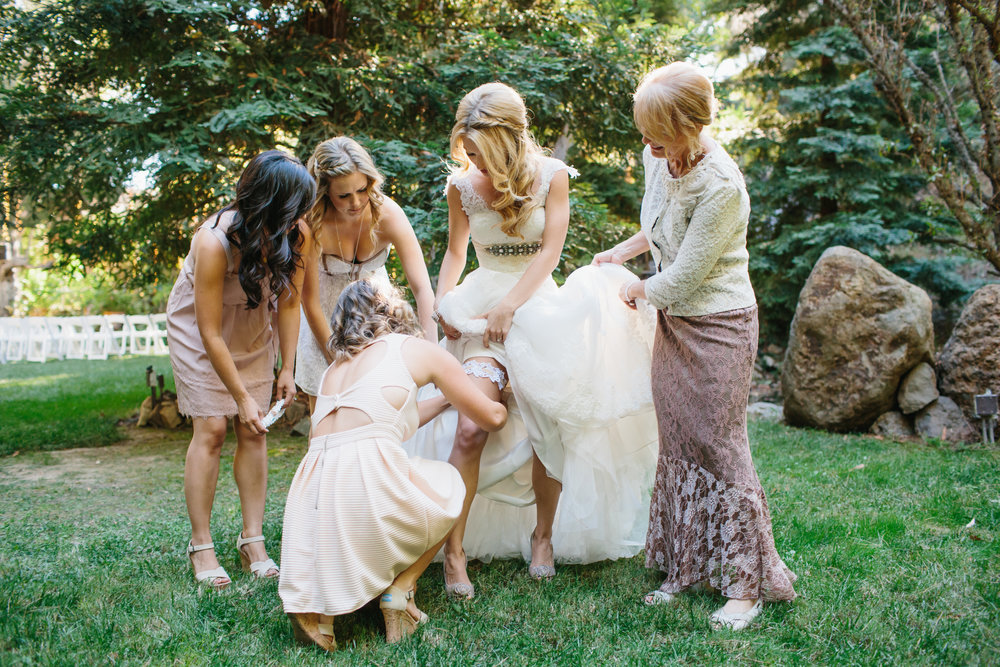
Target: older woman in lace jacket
{"x":709,"y":520}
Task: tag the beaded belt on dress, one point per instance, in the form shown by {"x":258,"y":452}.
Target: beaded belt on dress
{"x":504,"y":249}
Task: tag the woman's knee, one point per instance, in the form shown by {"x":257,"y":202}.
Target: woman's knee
{"x":210,"y":433}
{"x":469,"y":438}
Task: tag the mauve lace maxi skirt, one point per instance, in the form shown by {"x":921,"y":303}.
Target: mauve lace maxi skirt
{"x":708,"y":518}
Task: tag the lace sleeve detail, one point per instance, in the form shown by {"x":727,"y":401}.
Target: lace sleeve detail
{"x":550,"y":167}
{"x":471,"y":201}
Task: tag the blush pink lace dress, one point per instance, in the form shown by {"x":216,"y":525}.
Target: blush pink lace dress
{"x":248,"y":335}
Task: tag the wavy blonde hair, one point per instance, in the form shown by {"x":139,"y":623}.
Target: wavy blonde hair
{"x":365,"y":312}
{"x":673,"y":101}
{"x":494,"y":117}
{"x":342,"y":156}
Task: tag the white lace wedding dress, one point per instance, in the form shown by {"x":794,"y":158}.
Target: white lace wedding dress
{"x":579,"y":393}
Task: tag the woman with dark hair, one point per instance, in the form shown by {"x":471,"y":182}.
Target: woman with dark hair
{"x":244,"y":262}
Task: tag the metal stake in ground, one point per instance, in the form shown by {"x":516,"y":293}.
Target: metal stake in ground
{"x":986,"y":412}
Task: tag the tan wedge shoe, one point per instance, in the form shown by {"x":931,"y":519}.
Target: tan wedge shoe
{"x":309,"y":631}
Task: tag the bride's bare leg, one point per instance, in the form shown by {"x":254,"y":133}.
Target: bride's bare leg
{"x":547,"y":492}
{"x":465,"y":456}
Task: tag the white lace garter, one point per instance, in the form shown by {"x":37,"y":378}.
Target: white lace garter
{"x":481,"y":369}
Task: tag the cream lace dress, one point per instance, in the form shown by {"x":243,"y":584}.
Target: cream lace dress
{"x":335,"y":274}
{"x":579,"y":395}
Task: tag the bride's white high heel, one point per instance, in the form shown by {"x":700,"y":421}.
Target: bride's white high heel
{"x":540,"y":572}
{"x":459,"y":590}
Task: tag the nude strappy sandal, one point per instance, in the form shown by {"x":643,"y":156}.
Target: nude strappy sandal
{"x":260,"y":568}
{"x":216,"y":578}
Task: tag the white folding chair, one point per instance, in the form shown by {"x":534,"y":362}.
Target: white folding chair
{"x":75,"y":335}
{"x":140,"y":335}
{"x":41,"y":344}
{"x":119,"y":330}
{"x":99,"y":337}
{"x":4,"y":339}
{"x":159,"y":322}
{"x":17,"y":339}
{"x":58,"y":329}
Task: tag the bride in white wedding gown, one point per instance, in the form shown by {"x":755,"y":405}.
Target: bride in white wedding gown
{"x":573,"y":363}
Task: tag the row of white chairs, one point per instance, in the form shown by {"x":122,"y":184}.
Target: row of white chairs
{"x":83,"y":337}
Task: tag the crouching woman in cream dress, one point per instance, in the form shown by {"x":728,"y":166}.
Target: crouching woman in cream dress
{"x":362,"y":519}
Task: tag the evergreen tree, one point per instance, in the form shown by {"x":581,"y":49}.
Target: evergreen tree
{"x":827,"y":163}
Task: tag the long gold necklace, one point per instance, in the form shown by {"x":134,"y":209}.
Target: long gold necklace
{"x":355,"y":270}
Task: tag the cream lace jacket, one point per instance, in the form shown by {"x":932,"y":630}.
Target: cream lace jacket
{"x":696,"y":226}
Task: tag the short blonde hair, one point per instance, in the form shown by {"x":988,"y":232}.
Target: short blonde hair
{"x":675,"y":101}
{"x":365,"y":312}
{"x":494,"y":117}
{"x":342,"y":156}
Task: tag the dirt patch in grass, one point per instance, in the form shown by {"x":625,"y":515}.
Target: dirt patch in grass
{"x":122,"y":464}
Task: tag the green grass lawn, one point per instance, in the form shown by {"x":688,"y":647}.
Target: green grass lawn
{"x":93,"y":568}
{"x":71,"y":403}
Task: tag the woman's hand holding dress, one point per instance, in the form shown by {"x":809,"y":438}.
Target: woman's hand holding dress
{"x":608,"y":257}
{"x":498,"y":321}
{"x":450,"y":332}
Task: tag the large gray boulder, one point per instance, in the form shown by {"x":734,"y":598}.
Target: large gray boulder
{"x":858,"y":329}
{"x":893,"y":425}
{"x":918,"y":389}
{"x":764,"y":411}
{"x":944,"y":420}
{"x":969,"y":363}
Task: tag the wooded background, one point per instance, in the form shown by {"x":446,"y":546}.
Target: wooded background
{"x":866,"y":123}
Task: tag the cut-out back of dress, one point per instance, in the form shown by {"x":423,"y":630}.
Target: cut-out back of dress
{"x":367,"y":394}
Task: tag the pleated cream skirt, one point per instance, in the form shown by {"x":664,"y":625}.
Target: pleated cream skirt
{"x":359,"y":512}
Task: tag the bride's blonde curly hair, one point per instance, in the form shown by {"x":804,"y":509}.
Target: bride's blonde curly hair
{"x":495,"y":118}
{"x":365,"y":312}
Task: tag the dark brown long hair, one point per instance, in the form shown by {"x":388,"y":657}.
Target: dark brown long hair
{"x":273,"y":192}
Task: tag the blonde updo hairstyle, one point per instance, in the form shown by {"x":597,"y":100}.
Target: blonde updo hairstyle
{"x":363,"y":313}
{"x":495,"y":118}
{"x":342,"y":156}
{"x":675,"y":101}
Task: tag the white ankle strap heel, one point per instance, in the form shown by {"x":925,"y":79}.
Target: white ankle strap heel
{"x":262,"y":569}
{"x":216,"y":578}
